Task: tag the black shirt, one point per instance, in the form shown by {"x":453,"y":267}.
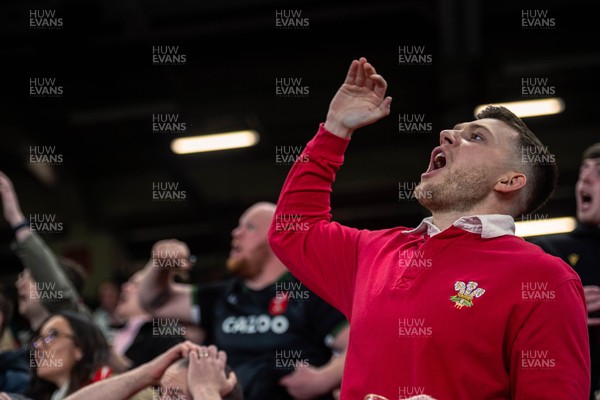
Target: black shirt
{"x":150,"y":342}
{"x":267,"y":332}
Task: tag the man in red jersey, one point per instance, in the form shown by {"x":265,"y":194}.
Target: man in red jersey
{"x":459,"y":307}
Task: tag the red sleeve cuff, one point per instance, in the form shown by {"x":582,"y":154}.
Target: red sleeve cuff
{"x":328,"y":146}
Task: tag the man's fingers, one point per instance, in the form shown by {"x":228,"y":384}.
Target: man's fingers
{"x":380,"y":85}
{"x":591,"y":289}
{"x":360,"y":74}
{"x":593,"y":321}
{"x":593,"y":306}
{"x":222,"y":356}
{"x":351,"y":76}
{"x":384,"y":107}
{"x":231,"y":382}
{"x":592,"y":296}
{"x":185,"y":348}
{"x":285,"y":380}
{"x":370,"y":73}
{"x":212,"y":351}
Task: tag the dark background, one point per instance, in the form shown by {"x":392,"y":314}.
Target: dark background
{"x":102,"y":125}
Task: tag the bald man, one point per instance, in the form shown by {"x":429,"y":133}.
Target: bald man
{"x":282,"y":340}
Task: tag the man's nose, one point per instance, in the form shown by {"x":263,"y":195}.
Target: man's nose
{"x":448,"y":137}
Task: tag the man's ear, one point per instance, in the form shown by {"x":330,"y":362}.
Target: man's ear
{"x":510,"y":182}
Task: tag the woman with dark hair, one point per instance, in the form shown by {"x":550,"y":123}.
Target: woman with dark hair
{"x":69,"y":352}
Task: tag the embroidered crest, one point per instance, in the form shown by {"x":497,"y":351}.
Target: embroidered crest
{"x":466,"y":294}
{"x":279,"y":303}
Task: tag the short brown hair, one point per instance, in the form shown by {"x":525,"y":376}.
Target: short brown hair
{"x":591,"y":152}
{"x":541,"y":176}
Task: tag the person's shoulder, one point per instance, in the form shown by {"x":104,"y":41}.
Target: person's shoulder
{"x":551,"y":239}
{"x":14,"y":360}
{"x":532,"y":260}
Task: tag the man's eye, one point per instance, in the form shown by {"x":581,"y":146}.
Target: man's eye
{"x":477,"y":136}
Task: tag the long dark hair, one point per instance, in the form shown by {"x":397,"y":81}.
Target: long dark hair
{"x":95,"y":354}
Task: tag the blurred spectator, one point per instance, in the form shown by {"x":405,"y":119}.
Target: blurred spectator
{"x":141,"y":339}
{"x":581,"y":250}
{"x":7,"y":340}
{"x":104,"y":314}
{"x":69,"y":353}
{"x":14,"y":370}
{"x":47,"y":284}
{"x":279,"y":336}
{"x":186,"y":371}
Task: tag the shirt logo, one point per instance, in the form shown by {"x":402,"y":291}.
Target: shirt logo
{"x":573,"y":258}
{"x":279,"y":303}
{"x":255,"y":324}
{"x":466,"y":294}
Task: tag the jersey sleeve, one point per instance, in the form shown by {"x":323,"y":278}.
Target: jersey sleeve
{"x":35,"y":255}
{"x":550,"y":356}
{"x":320,"y":253}
{"x":204,"y":298}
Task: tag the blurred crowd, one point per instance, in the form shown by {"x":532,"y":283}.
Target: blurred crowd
{"x":153,"y":338}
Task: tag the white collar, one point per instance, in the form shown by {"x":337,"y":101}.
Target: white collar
{"x":488,"y":225}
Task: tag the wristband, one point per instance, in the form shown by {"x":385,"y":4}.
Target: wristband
{"x":23,"y":224}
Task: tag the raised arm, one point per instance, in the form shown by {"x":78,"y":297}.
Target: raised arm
{"x":159,"y":294}
{"x":323,"y":255}
{"x":34,"y":253}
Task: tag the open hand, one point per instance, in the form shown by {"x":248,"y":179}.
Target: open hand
{"x":359,"y":101}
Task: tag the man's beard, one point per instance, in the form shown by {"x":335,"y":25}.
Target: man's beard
{"x":249,"y":267}
{"x":459,"y":191}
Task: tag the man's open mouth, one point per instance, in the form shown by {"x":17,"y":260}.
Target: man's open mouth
{"x":437,"y":160}
{"x":586,"y":198}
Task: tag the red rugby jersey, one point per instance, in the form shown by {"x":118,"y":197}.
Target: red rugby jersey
{"x":456,"y":316}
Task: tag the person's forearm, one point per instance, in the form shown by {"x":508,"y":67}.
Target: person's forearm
{"x":118,"y":363}
{"x":43,"y":265}
{"x":119,"y":387}
{"x":22,"y":233}
{"x":155,"y":287}
{"x":337,"y":128}
{"x":19,"y":220}
{"x":332,"y":372}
